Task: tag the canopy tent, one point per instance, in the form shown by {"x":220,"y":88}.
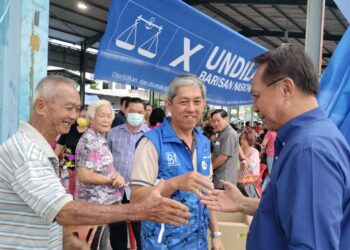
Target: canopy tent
{"x":147,"y":43}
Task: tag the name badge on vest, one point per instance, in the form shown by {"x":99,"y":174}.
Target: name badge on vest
{"x":172,"y":159}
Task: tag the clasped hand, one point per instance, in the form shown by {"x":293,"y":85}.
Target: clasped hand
{"x":194,"y":182}
{"x":118,"y":180}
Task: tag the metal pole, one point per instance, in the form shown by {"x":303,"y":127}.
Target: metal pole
{"x":251,"y":116}
{"x":158,"y":99}
{"x":229,"y":113}
{"x":314,"y":31}
{"x":82,"y":71}
{"x":151,"y":97}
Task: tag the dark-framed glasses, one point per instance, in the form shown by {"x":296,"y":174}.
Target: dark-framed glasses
{"x":277,"y":80}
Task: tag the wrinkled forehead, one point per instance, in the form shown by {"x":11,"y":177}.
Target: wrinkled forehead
{"x":67,"y":94}
{"x":104,"y":109}
{"x":189,"y":92}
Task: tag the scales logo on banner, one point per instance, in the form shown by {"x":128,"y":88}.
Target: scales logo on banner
{"x":147,"y":43}
{"x":127,"y":39}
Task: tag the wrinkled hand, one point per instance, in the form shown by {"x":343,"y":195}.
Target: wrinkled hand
{"x":156,"y":208}
{"x":228,"y":200}
{"x":118,"y":180}
{"x":193,"y":182}
{"x":71,"y":242}
{"x":216,"y":244}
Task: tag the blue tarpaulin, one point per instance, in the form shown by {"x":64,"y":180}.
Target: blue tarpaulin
{"x":334,"y":94}
{"x":344,"y":6}
{"x":147,"y":43}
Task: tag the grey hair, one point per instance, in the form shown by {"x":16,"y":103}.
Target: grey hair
{"x":91,"y":111}
{"x":46,"y":86}
{"x":184,"y":80}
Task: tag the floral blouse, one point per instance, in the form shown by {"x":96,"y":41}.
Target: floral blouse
{"x":92,"y":152}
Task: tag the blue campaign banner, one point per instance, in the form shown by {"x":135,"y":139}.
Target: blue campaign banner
{"x":334,"y":94}
{"x":147,"y":43}
{"x":344,"y":6}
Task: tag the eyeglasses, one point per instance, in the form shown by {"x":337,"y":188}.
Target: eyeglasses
{"x":273,"y":82}
{"x":256,"y":95}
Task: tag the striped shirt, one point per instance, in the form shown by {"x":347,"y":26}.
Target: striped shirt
{"x":31,"y":194}
{"x":122,"y":144}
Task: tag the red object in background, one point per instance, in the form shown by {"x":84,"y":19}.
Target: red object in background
{"x":263,"y":174}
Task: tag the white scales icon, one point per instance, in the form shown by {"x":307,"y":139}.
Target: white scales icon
{"x":127,"y":39}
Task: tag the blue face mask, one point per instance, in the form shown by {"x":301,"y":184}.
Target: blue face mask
{"x":134,"y":119}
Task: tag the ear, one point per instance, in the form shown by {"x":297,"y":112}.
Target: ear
{"x":40,"y":106}
{"x":168,"y":105}
{"x":288,"y":87}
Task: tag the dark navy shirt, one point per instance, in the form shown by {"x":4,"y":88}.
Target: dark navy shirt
{"x":306,"y":204}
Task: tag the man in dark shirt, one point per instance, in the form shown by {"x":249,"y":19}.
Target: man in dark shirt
{"x":120,"y":117}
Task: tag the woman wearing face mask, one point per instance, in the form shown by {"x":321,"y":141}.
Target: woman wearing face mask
{"x":98,"y":180}
{"x":65,"y":150}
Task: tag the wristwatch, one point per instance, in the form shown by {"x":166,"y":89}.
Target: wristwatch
{"x":215,"y":234}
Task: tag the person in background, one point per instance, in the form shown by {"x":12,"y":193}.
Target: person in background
{"x":306,"y":204}
{"x":268,"y":146}
{"x":122,"y":141}
{"x":247,"y":126}
{"x":120,"y":118}
{"x":98,"y":181}
{"x":156,"y":118}
{"x":32,"y":199}
{"x":250,"y":166}
{"x":257,"y":127}
{"x":259,"y":140}
{"x":208,"y":131}
{"x":148,"y":112}
{"x":226,"y":152}
{"x":65,"y":150}
{"x":177,"y":152}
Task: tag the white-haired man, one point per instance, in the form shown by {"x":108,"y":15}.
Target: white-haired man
{"x":33,"y":202}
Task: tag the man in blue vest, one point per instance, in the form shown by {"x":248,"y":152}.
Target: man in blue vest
{"x":178,"y":153}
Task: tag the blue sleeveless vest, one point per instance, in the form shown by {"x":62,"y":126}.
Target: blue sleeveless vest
{"x":175,"y":159}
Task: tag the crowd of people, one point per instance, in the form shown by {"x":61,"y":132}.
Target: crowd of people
{"x":76,"y":177}
{"x":109,"y":166}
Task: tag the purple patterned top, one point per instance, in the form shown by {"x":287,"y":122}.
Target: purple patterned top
{"x":92,"y":152}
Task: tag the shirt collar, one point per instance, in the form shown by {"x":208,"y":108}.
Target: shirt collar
{"x":287,"y":130}
{"x":37,"y":138}
{"x":143,"y":128}
{"x":225,"y":129}
{"x":169,"y":134}
{"x":98,"y":134}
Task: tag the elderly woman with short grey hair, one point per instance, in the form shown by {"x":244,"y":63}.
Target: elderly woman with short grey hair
{"x":98,"y":181}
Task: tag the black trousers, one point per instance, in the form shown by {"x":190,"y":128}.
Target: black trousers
{"x":118,"y":234}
